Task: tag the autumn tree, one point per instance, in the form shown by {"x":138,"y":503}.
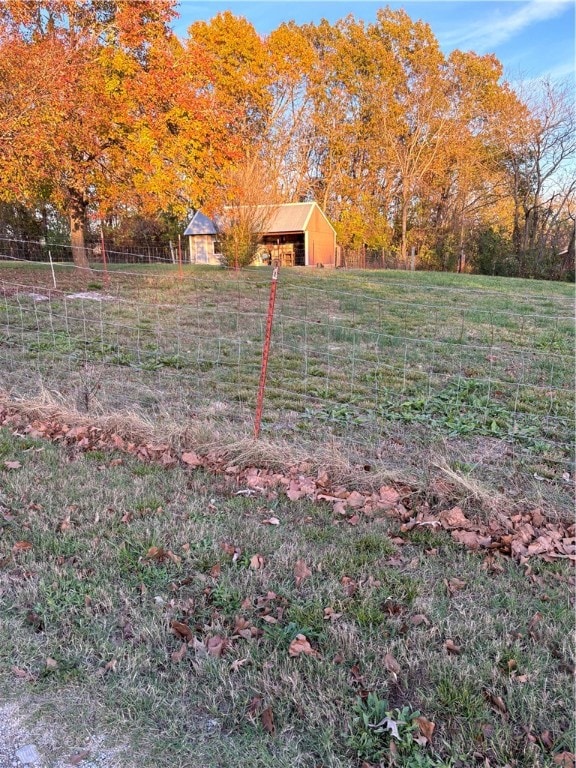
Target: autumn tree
{"x":110,"y":119}
{"x":69,"y":144}
{"x":249,"y":206}
{"x":239,"y":75}
{"x":538,"y":149}
{"x":467,"y":189}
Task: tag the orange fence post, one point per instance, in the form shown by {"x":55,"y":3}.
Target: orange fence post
{"x":265,"y":354}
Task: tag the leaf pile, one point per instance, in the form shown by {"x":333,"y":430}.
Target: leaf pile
{"x":522,"y":536}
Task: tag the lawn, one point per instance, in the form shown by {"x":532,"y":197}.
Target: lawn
{"x":197,"y":616}
{"x":405,"y":372}
{"x":197,"y":621}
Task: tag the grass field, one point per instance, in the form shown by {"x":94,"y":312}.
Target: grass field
{"x":160,"y":608}
{"x":100,"y":554}
{"x":396,"y":370}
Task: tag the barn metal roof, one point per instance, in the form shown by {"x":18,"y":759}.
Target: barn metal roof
{"x":285,"y":217}
{"x":290,"y":217}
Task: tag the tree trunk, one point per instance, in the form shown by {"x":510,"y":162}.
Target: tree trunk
{"x":77,"y":216}
{"x":568,"y":261}
{"x":403,"y":243}
{"x":461,"y":252}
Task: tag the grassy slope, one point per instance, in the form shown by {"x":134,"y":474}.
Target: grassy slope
{"x":405,"y":370}
{"x":86,"y":595}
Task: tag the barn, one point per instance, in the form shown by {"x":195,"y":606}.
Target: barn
{"x":297,"y":235}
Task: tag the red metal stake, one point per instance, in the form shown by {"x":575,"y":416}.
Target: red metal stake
{"x":265,"y":354}
{"x":104,"y":261}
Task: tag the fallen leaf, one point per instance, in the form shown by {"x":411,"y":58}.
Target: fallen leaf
{"x":182,"y":630}
{"x":533,"y":621}
{"x":237,"y":663}
{"x":390,"y":725}
{"x":157,"y":553}
{"x":257,"y":562}
{"x":389,"y":495}
{"x":471,"y":539}
{"x":301,"y":572}
{"x":21,"y":546}
{"x":392,"y":665}
{"x":178,"y":655}
{"x":267,"y":720}
{"x":426,"y":728}
{"x":547,"y":740}
{"x":496,"y":701}
{"x":301,"y":645}
{"x":350,"y":586}
{"x":255,"y":704}
{"x":357,"y":674}
{"x":51,"y":663}
{"x":294,"y":491}
{"x":339,"y":508}
{"x":22,"y":674}
{"x":330,"y":614}
{"x":216,"y":646}
{"x":78,"y":757}
{"x":451,"y":647}
{"x":454,"y":518}
{"x":215,"y":571}
{"x":418,"y":619}
{"x":565,"y":759}
{"x":192,"y":459}
{"x":12,"y":465}
{"x":454,"y":585}
{"x":271,"y":521}
{"x":356,"y":500}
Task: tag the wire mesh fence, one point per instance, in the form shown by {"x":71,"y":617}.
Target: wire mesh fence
{"x":390,"y":364}
{"x":117,"y":252}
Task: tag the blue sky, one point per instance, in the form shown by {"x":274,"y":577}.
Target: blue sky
{"x":532,"y":38}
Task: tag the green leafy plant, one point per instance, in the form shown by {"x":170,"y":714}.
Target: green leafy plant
{"x":379,"y":733}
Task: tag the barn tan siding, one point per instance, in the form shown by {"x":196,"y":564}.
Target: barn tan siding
{"x":321,"y":240}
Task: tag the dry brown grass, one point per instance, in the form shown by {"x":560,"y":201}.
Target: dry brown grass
{"x":437,"y":481}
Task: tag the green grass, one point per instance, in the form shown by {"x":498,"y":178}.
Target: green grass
{"x":432,"y":364}
{"x":91,"y":595}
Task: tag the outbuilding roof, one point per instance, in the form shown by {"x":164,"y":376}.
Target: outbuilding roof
{"x":200,"y":225}
{"x":289,"y":217}
{"x":283,"y":218}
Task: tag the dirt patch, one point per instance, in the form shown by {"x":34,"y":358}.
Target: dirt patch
{"x":41,"y":742}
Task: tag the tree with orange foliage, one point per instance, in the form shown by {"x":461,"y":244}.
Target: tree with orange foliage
{"x":100,"y":112}
{"x":67,"y":143}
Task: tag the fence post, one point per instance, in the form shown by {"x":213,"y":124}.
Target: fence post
{"x":104,"y":259}
{"x":265,"y":353}
{"x":179,"y":257}
{"x":52,"y":267}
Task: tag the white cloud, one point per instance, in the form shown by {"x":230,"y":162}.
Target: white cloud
{"x":498,"y":28}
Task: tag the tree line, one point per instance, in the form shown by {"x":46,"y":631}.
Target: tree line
{"x":108,"y":117}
